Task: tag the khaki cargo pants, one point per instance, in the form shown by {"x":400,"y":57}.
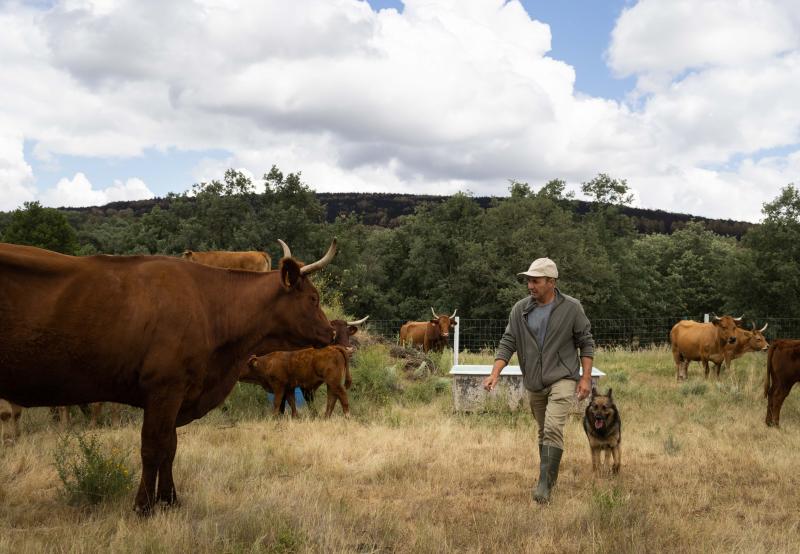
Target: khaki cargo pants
{"x":550,"y":407}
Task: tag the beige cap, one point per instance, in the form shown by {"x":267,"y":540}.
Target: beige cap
{"x":541,"y":267}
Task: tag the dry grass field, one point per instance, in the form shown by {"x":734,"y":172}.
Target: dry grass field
{"x":700,"y":473}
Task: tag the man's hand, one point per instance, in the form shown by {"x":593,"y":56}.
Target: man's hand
{"x":584,"y":388}
{"x":490,"y":382}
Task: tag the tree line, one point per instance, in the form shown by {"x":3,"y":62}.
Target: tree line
{"x":458,"y":252}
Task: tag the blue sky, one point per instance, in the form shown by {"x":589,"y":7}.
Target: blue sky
{"x":692,"y":101}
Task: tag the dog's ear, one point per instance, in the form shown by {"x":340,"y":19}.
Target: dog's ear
{"x":608,"y":394}
{"x":594,"y":392}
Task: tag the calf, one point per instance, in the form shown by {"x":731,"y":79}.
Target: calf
{"x":308,"y":369}
{"x":783,"y":371}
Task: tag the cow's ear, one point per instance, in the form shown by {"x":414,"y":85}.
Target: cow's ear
{"x":290,"y":272}
{"x":433,"y":321}
{"x":187,"y":254}
{"x":715,"y":322}
{"x":352,"y":330}
{"x":252,"y":363}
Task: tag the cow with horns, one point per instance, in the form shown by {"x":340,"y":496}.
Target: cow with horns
{"x":700,"y":342}
{"x":430,"y":335}
{"x":154,"y":332}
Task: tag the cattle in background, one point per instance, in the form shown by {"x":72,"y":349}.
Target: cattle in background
{"x":430,"y":335}
{"x":746,"y":341}
{"x":307,"y":369}
{"x":153,"y":332}
{"x":9,"y":420}
{"x":249,"y":261}
{"x":699,"y":342}
{"x":783,"y":371}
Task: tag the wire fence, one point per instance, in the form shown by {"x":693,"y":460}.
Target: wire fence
{"x":481,"y":334}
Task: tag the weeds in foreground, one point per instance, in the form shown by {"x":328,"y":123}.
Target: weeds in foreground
{"x":90,"y":474}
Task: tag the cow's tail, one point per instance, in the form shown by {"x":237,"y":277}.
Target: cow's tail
{"x":348,"y":379}
{"x":768,"y":378}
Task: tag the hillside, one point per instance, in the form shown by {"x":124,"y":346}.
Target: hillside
{"x":386,"y":209}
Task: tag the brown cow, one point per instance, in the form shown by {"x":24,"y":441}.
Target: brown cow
{"x":153,"y":332}
{"x":693,"y":342}
{"x":252,"y":260}
{"x":746,"y":341}
{"x":431,"y":335}
{"x":783,"y":371}
{"x":342,"y":331}
{"x":307,"y":369}
{"x":9,"y":417}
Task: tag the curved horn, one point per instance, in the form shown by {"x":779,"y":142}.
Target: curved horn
{"x":454,"y":313}
{"x":764,"y":327}
{"x":738,"y":318}
{"x":322,"y":262}
{"x":752,"y":325}
{"x":434,"y":313}
{"x":287,"y":252}
{"x":716,"y":316}
{"x":359,"y":322}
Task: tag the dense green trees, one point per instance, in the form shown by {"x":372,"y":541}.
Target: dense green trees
{"x":457,"y":254}
{"x":43,"y":227}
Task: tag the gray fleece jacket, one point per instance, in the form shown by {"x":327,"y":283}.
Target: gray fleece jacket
{"x":568,"y":331}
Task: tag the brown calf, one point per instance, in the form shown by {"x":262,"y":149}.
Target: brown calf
{"x":308,"y":369}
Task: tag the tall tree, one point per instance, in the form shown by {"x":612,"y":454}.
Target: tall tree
{"x":43,"y":227}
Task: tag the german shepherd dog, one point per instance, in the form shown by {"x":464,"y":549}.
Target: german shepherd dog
{"x":603,"y":429}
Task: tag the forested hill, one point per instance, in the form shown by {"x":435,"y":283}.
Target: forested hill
{"x":386,"y":209}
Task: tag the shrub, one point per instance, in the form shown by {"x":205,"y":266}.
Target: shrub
{"x":374,"y":375}
{"x":88,"y":474}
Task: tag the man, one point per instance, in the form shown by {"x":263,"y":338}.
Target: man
{"x":547,"y":330}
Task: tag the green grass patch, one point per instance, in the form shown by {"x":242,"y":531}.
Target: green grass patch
{"x":89,"y":472}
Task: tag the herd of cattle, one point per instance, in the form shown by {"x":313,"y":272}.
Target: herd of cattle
{"x":173,"y":336}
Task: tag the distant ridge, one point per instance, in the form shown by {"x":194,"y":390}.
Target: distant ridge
{"x":387,"y":209}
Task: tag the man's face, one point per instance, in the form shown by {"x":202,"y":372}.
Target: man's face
{"x":541,"y":287}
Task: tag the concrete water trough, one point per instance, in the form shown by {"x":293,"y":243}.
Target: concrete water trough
{"x":470,"y":396}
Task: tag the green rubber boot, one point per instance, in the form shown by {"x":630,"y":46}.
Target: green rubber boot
{"x":549,"y":460}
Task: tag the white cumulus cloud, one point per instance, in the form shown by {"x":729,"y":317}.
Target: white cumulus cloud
{"x":78,"y":192}
{"x":447,"y":95}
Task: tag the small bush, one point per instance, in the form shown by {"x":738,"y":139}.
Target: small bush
{"x":695,"y":389}
{"x":374,"y":376}
{"x":425,"y":391}
{"x":88,"y":474}
{"x":671,"y":446}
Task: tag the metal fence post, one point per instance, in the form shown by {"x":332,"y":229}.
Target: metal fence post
{"x":455,"y":341}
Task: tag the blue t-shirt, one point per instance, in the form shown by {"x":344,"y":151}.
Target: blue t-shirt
{"x":537,"y":321}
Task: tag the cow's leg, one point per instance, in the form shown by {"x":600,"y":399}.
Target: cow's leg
{"x":63,"y":416}
{"x":97,"y":409}
{"x":277,"y":401}
{"x":776,"y":398}
{"x":676,"y":356}
{"x":292,"y":401}
{"x":337,"y":392}
{"x":115,"y":414}
{"x":166,"y":486}
{"x":159,"y":442}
